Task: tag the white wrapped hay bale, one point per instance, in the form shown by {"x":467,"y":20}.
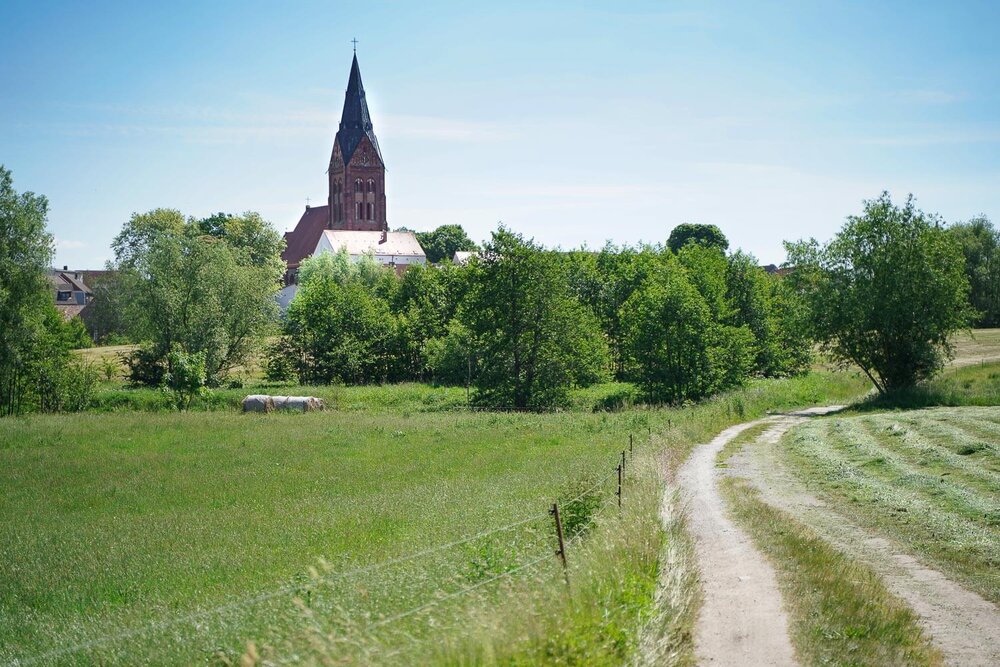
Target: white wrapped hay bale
{"x":258,"y":403}
{"x":302,"y":404}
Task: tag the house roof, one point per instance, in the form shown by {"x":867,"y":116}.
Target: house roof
{"x":355,"y":121}
{"x":358,"y":243}
{"x":301,"y":241}
{"x":67,"y":281}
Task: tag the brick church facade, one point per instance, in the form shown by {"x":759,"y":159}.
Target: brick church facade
{"x":356,"y":200}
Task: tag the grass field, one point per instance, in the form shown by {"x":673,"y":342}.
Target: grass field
{"x":131,"y":536}
{"x":927,"y":478}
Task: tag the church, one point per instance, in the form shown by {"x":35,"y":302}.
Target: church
{"x":355,"y":214}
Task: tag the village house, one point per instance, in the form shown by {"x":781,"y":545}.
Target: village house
{"x":71,"y":292}
{"x":354,"y":216}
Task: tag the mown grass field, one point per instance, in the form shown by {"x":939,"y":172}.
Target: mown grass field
{"x":176,"y":538}
{"x":929,"y":479}
{"x":840,"y":611}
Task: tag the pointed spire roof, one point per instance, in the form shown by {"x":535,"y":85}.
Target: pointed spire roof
{"x":355,"y":121}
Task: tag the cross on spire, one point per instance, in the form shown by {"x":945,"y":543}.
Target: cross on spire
{"x":355,"y":43}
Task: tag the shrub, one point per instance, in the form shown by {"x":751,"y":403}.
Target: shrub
{"x":185,"y":377}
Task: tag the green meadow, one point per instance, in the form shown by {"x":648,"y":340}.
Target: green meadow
{"x":130,"y":536}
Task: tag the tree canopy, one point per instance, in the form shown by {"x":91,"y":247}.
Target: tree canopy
{"x":706,"y":235}
{"x":980,"y":243}
{"x":444,"y":242}
{"x":886,"y":293}
{"x":209,"y":294}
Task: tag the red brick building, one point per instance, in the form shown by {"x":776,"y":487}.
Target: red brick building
{"x":356,"y":175}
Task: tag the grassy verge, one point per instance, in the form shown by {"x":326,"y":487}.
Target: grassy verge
{"x":180,"y":536}
{"x":928,"y":478}
{"x":840,"y":611}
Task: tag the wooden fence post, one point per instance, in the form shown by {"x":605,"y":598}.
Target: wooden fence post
{"x":562,"y":544}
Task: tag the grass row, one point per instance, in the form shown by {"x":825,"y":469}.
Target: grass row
{"x":927,"y":478}
{"x":125,"y":522}
{"x":840,"y":611}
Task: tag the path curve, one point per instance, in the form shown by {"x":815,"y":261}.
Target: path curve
{"x":961,"y":624}
{"x":742,"y":621}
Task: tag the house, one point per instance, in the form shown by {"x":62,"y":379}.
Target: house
{"x":71,"y":292}
{"x":399,"y":250}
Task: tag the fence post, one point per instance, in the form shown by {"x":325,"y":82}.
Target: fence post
{"x":562,"y":544}
{"x":631,"y":454}
{"x":623,"y":460}
{"x":619,"y":491}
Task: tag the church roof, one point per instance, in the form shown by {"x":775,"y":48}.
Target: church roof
{"x":399,"y":244}
{"x":355,"y":121}
{"x":301,"y":241}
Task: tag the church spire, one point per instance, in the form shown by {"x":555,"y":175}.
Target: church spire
{"x":355,"y":121}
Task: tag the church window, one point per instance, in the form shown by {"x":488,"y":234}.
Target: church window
{"x":359,"y":211}
{"x":357,"y":186}
{"x":371,"y":185}
{"x":370,"y":216}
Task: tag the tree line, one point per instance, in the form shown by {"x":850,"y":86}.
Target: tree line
{"x":519,"y":324}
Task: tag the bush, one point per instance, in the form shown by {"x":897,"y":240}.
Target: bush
{"x":185,"y":377}
{"x":66,"y":386}
{"x":145,"y":366}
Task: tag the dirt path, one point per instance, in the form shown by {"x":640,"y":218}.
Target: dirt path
{"x":742,"y":621}
{"x":961,"y":624}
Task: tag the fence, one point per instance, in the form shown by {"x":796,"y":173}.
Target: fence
{"x":561,"y":553}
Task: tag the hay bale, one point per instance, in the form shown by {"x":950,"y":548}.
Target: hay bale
{"x":302,"y":403}
{"x":258,"y":403}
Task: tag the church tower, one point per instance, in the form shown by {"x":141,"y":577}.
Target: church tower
{"x":357,"y":173}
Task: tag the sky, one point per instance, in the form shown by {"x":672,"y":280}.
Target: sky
{"x":573,"y":123}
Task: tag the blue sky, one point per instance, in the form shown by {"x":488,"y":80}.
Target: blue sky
{"x":573,"y":123}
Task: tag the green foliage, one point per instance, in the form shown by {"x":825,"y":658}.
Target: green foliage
{"x":886,"y":294}
{"x":681,"y":351}
{"x":532,"y":338}
{"x":442,"y":243}
{"x":185,"y":376}
{"x":705,"y":235}
{"x":772,"y":312}
{"x":75,"y":334}
{"x":35,"y":373}
{"x":105,"y":314}
{"x":980,"y":242}
{"x":451,"y":358}
{"x":210,"y":294}
{"x":340,"y":332}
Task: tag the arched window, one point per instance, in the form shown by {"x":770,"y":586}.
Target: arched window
{"x":371,"y":185}
{"x":359,"y":210}
{"x":357,"y":186}
{"x":370,"y":216}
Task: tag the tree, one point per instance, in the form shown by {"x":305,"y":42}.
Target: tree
{"x":533,"y":340}
{"x":36,"y":372}
{"x":980,"y":243}
{"x":681,"y":351}
{"x":203,"y":293}
{"x":444,"y":242}
{"x":340,"y":332}
{"x":773,"y":313}
{"x":886,"y":294}
{"x":707,"y":235}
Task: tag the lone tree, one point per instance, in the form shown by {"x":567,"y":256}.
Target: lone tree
{"x":887,"y":293}
{"x":706,"y":235}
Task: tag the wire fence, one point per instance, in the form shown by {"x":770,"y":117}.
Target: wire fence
{"x":242,"y":602}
